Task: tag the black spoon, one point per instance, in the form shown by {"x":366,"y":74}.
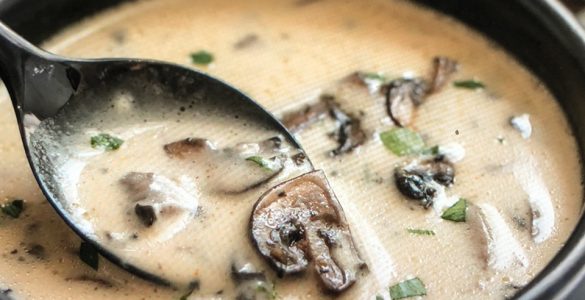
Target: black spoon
{"x":46,"y":88}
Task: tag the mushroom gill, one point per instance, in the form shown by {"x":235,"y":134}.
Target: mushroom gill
{"x":299,"y":222}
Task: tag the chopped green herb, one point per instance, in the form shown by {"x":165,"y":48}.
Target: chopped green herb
{"x":434,"y":150}
{"x":378,"y":297}
{"x":420,"y":231}
{"x":260,"y":161}
{"x":268,"y":289}
{"x":13,"y":208}
{"x":89,"y":255}
{"x":402,"y":141}
{"x":457,"y":212}
{"x":106,"y":141}
{"x":372,"y":76}
{"x":471,"y":84}
{"x":408,"y":288}
{"x":201,"y":57}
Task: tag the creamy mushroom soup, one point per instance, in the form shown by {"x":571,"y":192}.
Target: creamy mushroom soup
{"x":444,"y":169}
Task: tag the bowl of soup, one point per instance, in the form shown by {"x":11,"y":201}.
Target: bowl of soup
{"x":445,"y":140}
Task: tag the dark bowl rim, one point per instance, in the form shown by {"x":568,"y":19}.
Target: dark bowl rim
{"x":567,"y":268}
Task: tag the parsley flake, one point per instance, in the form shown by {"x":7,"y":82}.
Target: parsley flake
{"x":372,"y":76}
{"x":470,"y":84}
{"x":402,"y":141}
{"x":408,"y":288}
{"x":106,"y":142}
{"x":420,"y":231}
{"x":13,"y":208}
{"x":201,"y":57}
{"x":457,"y":212}
{"x":266,"y":164}
{"x":268,"y":289}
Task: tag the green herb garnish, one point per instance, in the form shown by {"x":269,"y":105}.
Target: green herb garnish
{"x":89,"y":255}
{"x":263,"y":163}
{"x":378,"y":297}
{"x":471,"y":84}
{"x":434,"y":150}
{"x":457,"y":212}
{"x":420,"y":231}
{"x":408,"y":288}
{"x":268,"y":289}
{"x":201,"y":57}
{"x":372,"y":76}
{"x":13,"y":208}
{"x":106,"y":141}
{"x":402,"y":141}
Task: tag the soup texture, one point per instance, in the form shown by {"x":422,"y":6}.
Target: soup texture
{"x":445,"y":170}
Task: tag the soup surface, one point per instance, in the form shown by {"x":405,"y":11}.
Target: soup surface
{"x":482,"y":134}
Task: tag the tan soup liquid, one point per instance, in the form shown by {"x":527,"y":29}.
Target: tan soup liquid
{"x":285,"y":54}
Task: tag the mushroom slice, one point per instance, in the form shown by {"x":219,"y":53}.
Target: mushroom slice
{"x":502,"y":249}
{"x":422,"y":180}
{"x":443,"y":68}
{"x":348,"y":134}
{"x":160,"y":203}
{"x":299,"y":221}
{"x":187,"y":147}
{"x":402,"y":96}
{"x":373,"y":81}
{"x":234,"y":169}
{"x":297,"y":120}
{"x":539,"y":199}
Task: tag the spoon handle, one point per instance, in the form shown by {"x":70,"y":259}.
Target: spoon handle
{"x":14,"y":50}
{"x":38,"y":82}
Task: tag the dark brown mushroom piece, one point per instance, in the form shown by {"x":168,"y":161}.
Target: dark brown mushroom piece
{"x":419,"y":180}
{"x":246,"y":41}
{"x":298,"y":120}
{"x":187,"y":147}
{"x":402,"y":97}
{"x":299,"y":222}
{"x":146,"y":214}
{"x":138,"y":184}
{"x":156,"y":198}
{"x":349,"y":133}
{"x":250,"y":164}
{"x":443,"y":68}
{"x":372,"y":81}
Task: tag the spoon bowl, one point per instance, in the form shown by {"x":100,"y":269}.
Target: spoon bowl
{"x":55,"y":97}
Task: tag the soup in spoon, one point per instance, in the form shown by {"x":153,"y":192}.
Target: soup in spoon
{"x":450,"y":166}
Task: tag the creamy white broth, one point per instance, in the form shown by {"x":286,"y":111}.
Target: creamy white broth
{"x":301,"y":52}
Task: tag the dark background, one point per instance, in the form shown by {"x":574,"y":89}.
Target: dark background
{"x":578,"y":7}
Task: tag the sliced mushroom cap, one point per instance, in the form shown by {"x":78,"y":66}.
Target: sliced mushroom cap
{"x":349,"y":133}
{"x":419,"y":180}
{"x":443,"y":68}
{"x":161,"y":204}
{"x":297,"y":120}
{"x":299,"y":221}
{"x":373,"y":81}
{"x":502,"y":250}
{"x":402,"y":96}
{"x":188,"y":147}
{"x":235,"y":169}
{"x":440,"y":170}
